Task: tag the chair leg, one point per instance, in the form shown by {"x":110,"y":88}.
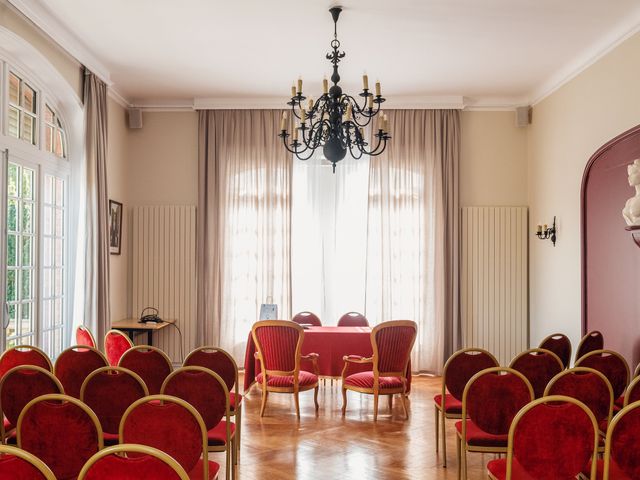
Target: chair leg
{"x":234,"y":452}
{"x":437,"y":425}
{"x":227,"y":471}
{"x":238,"y":430}
{"x":265,"y":394}
{"x":459,"y":456}
{"x":315,"y":398}
{"x":443,"y":433}
{"x":390,"y":403}
{"x":375,"y":406}
{"x":297,"y":400}
{"x":344,"y":401}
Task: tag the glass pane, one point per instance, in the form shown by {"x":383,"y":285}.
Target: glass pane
{"x":26,"y":319}
{"x":59,"y":222}
{"x":47,"y":251}
{"x":27,"y":183}
{"x":27,"y":217}
{"x":57,"y":312}
{"x":46,"y":313}
{"x":25,"y":277}
{"x":13,"y":122}
{"x":28,"y":130}
{"x":12,"y":285}
{"x":46,"y":341}
{"x":48,"y":138}
{"x":48,"y":221}
{"x":13,"y":179}
{"x":28,"y":98}
{"x":48,"y":189}
{"x":59,"y":192}
{"x":14,"y":89}
{"x":27,"y":251}
{"x":48,"y":114}
{"x":12,"y":254}
{"x":47,"y":285}
{"x":59,"y":257}
{"x":58,"y":150}
{"x":59,"y":285}
{"x":12,"y":215}
{"x":13,"y":326}
{"x":57,"y":343}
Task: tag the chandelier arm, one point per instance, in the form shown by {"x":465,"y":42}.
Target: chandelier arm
{"x":374,"y":151}
{"x":361,"y":152}
{"x":356,"y":105}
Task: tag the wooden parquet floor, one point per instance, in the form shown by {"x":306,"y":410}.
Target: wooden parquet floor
{"x":327,"y":446}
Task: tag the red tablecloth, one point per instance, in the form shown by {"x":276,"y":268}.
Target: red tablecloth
{"x":331,"y":344}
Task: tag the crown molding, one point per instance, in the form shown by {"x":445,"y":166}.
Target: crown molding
{"x":45,"y":21}
{"x":494,"y":104}
{"x":625,"y":30}
{"x":120,"y":99}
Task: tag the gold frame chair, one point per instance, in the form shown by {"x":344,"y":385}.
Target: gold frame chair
{"x":296,"y":389}
{"x":548,"y":337}
{"x":28,"y":347}
{"x":134,"y":448}
{"x":113,"y":369}
{"x":137,"y":348}
{"x":629,"y":389}
{"x":608,"y":352}
{"x":584,"y":339}
{"x":84,"y":328}
{"x":607,"y":443}
{"x":117,"y":332}
{"x":30,"y":458}
{"x":374,"y":359}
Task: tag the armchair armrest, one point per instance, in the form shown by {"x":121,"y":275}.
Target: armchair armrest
{"x":256,"y":355}
{"x":313,"y":357}
{"x":357,"y":359}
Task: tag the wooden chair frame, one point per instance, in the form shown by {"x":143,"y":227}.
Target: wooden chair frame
{"x":636,"y":372}
{"x":30,"y":458}
{"x":230,"y":445}
{"x":28,"y":347}
{"x":533,"y":404}
{"x":607,"y":444}
{"x":85,"y":329}
{"x":634,"y":384}
{"x":608,"y":352}
{"x":6,"y":375}
{"x":313,"y":357}
{"x":462,"y":446}
{"x":584,"y":339}
{"x":549,"y":337}
{"x":182,"y":403}
{"x":375,"y":391}
{"x":134,"y":448}
{"x":440,"y":420}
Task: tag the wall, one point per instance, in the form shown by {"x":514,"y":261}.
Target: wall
{"x":493,"y":168}
{"x":568,"y":127}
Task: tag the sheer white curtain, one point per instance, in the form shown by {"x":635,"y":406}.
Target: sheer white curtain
{"x":329,"y":236}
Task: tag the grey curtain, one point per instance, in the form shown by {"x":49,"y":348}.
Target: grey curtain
{"x":96,"y":276}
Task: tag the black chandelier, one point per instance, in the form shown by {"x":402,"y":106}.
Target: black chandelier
{"x":335,"y":121}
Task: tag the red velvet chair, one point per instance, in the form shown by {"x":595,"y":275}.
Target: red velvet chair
{"x":559,"y":344}
{"x":278,"y":344}
{"x":353,"y":319}
{"x":590,"y":387}
{"x":24,"y":355}
{"x":172,"y":426}
{"x":490,"y":401}
{"x":207,"y":392}
{"x":613,"y":366}
{"x":151,"y":363}
{"x":392,"y":343}
{"x":590,"y":342}
{"x":61,"y":431}
{"x":16,"y":464}
{"x":222,"y":363}
{"x":307,"y":318}
{"x":18,"y":387}
{"x":85,"y":337}
{"x":74,"y":364}
{"x":109,"y":391}
{"x":632,"y":393}
{"x":132,"y":462}
{"x":636,"y":372}
{"x":115,"y":344}
{"x":551,"y":438}
{"x":539,"y":366}
{"x":458,"y":369}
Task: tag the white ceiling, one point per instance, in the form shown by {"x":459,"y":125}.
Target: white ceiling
{"x":165,"y":51}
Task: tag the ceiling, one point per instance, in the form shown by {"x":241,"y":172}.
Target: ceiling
{"x":167,"y":51}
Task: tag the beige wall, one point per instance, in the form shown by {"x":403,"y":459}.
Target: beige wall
{"x":493,"y":160}
{"x":568,"y":127}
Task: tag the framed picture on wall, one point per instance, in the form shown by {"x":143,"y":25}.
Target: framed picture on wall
{"x":115,"y":227}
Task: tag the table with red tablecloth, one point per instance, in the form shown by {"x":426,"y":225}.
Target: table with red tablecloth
{"x":331,"y":344}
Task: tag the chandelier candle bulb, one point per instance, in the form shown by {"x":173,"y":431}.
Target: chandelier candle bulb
{"x":283,"y":123}
{"x":377,"y":89}
{"x":299,"y":85}
{"x":310,"y":107}
{"x":365,"y":82}
{"x":539,"y":228}
{"x":371,"y":102}
{"x":325,"y":85}
{"x":361,"y":132}
{"x":295,"y":133}
{"x":303,"y":115}
{"x":293,"y":91}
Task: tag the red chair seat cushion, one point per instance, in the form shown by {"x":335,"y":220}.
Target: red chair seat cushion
{"x":110,"y":438}
{"x":453,"y":405}
{"x":479,"y":438}
{"x":304,"y":379}
{"x":498,"y":468}
{"x":233,"y":400}
{"x":198,"y":474}
{"x":218,"y":434}
{"x":365,"y":380}
{"x":144,"y":467}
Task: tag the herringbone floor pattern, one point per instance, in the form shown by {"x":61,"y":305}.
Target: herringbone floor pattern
{"x":327,"y":446}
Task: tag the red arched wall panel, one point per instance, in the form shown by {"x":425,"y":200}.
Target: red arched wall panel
{"x":610,"y":258}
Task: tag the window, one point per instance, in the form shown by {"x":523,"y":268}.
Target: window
{"x":54,"y":137}
{"x":22,"y":114}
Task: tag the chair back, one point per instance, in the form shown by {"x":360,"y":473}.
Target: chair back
{"x":539,"y":366}
{"x":278,"y":343}
{"x":202,"y":388}
{"x":24,"y":355}
{"x":463,"y":365}
{"x":132,"y":462}
{"x":493,"y":397}
{"x":636,"y":372}
{"x":85,"y":337}
{"x":587,"y":385}
{"x":217,"y":360}
{"x":61,"y":431}
{"x":590,"y":342}
{"x":612,"y":365}
{"x":392,"y":343}
{"x":22,"y":384}
{"x":18,"y":464}
{"x":74,"y":364}
{"x":353,"y":319}
{"x":632,"y":393}
{"x":115,"y":344}
{"x":109,"y":391}
{"x":159,"y":420}
{"x":151,"y":363}
{"x":307,"y":318}
{"x":621,"y":445}
{"x":553,"y":437}
{"x":559,"y":344}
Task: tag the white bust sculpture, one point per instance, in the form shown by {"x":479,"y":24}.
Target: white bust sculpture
{"x":631,"y":211}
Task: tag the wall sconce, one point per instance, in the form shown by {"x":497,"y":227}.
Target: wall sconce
{"x":544,"y":232}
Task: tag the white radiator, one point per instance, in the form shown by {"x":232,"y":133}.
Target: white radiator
{"x":164,"y":271}
{"x":494,"y":280}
